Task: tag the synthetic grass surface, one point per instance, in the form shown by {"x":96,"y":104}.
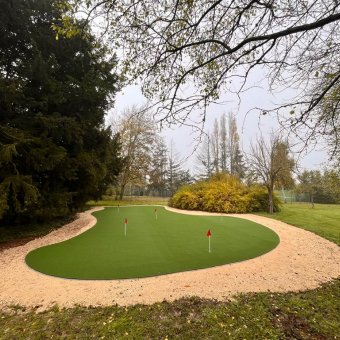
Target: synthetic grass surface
{"x":171,"y":243}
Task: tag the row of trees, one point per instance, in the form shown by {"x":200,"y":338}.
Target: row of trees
{"x":149,"y":165}
{"x":155,"y":169}
{"x":215,"y":46}
{"x":320,"y":186}
{"x":269,"y":161}
{"x":220,"y":150}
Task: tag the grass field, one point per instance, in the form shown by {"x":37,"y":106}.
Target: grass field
{"x":31,"y":231}
{"x":306,"y":315}
{"x":323,"y":219}
{"x":129,"y":200}
{"x":171,"y":243}
{"x":311,"y":315}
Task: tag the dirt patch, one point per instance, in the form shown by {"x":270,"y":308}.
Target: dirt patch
{"x":301,"y":261}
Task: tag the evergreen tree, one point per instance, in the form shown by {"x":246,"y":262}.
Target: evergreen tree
{"x":55,"y":153}
{"x":239,"y":167}
{"x":157,"y":180}
{"x":173,"y":170}
{"x":204,"y":159}
{"x":223,"y":143}
{"x":215,"y":146}
{"x":184,"y":178}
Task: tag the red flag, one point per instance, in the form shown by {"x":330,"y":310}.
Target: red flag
{"x":209,"y":233}
{"x":155,"y":210}
{"x":126,"y":221}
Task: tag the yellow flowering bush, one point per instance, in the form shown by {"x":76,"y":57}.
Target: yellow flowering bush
{"x":222,"y":193}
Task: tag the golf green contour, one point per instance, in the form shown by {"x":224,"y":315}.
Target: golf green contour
{"x":143,"y":241}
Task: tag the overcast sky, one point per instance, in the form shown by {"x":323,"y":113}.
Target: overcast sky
{"x":249,"y":125}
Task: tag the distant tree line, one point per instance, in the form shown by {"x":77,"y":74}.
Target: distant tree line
{"x":269,"y":161}
{"x":149,"y":166}
{"x":317,"y":186}
{"x":220,"y":150}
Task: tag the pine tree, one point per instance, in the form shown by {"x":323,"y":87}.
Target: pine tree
{"x":55,"y":153}
{"x":223,"y":143}
{"x":157,"y":180}
{"x":215,"y":146}
{"x":204,"y":159}
{"x":173,"y":170}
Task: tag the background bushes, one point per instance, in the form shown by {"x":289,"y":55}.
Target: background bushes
{"x":222,"y":193}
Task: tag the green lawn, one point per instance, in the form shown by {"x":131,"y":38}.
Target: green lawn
{"x":323,"y":219}
{"x":129,"y":200}
{"x":11,"y":234}
{"x":306,"y":315}
{"x":171,"y":243}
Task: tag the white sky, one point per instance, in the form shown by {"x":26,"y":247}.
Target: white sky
{"x":249,"y":126}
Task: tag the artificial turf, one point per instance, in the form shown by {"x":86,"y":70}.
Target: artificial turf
{"x":171,"y":243}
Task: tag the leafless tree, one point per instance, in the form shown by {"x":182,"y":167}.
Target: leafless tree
{"x":138,"y":138}
{"x":233,"y":143}
{"x":269,"y":162}
{"x":215,"y":45}
{"x":215,"y":146}
{"x":223,"y":143}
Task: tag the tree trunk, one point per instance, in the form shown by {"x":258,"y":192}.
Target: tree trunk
{"x":312,"y":199}
{"x":271,"y":200}
{"x":121,"y":192}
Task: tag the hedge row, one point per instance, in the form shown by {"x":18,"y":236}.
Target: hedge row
{"x":222,"y":193}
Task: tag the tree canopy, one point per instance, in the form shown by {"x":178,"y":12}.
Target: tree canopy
{"x":215,"y":46}
{"x":55,"y":153}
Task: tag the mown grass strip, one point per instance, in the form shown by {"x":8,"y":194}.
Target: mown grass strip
{"x":308,"y":315}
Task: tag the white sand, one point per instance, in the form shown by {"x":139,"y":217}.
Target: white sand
{"x":301,"y":261}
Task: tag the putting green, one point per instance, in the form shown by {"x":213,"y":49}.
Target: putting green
{"x":171,"y":243}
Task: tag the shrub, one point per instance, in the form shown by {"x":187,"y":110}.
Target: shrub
{"x":222,"y":193}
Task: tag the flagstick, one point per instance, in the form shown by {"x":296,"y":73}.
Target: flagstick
{"x":125,"y":225}
{"x":156,"y":214}
{"x":209,"y":244}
